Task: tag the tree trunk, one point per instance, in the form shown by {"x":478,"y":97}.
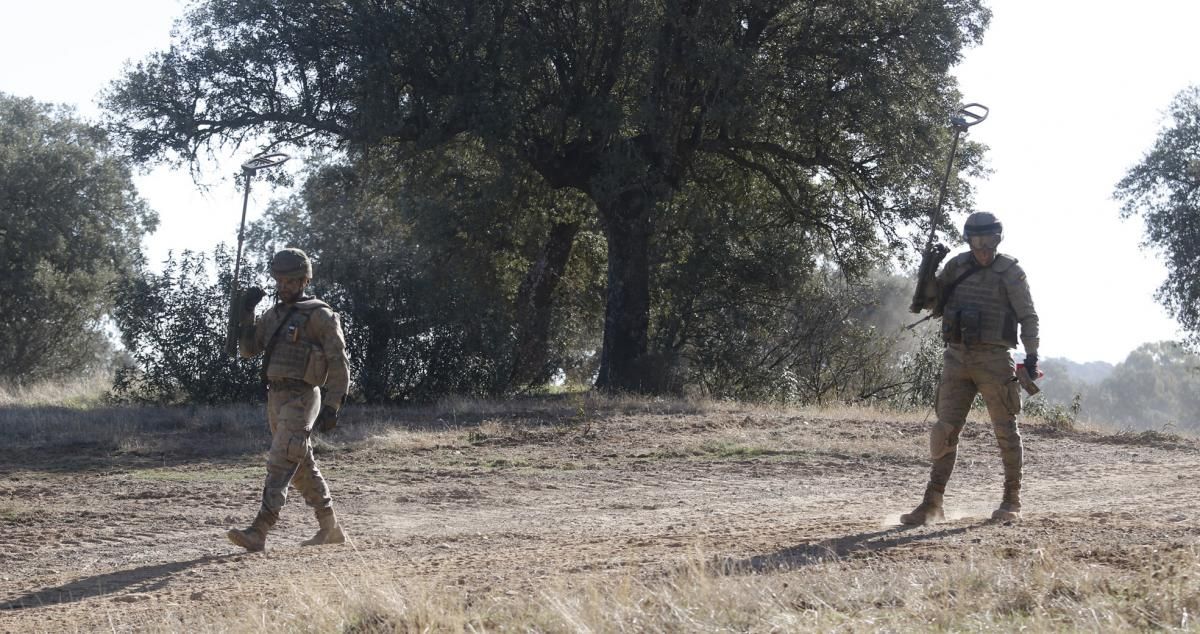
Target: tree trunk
{"x":374,"y":370}
{"x":627,"y":312}
{"x":534,"y":304}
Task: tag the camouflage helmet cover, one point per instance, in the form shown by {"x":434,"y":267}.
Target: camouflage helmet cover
{"x":291,"y":262}
{"x":982,"y":223}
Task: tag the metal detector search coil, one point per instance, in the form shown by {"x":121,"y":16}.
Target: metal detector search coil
{"x":969,"y":115}
{"x":265,"y":161}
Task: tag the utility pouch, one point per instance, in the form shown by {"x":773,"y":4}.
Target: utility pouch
{"x":292,"y":352}
{"x":1009,"y":333}
{"x":950,"y":330}
{"x":970,"y":324}
{"x":316,"y":369}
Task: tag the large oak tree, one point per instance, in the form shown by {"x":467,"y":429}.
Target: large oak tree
{"x":837,"y":107}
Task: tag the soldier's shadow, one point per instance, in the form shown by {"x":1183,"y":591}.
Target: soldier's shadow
{"x":826,"y":550}
{"x":138,"y":580}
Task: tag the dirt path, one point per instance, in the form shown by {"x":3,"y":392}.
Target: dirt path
{"x":507,"y":504}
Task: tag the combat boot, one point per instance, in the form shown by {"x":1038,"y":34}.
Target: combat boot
{"x":927,"y":512}
{"x":330,"y":531}
{"x":1010,"y":506}
{"x":254,"y":538}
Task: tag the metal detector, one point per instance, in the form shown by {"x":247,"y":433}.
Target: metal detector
{"x":249,"y":168}
{"x":969,"y":115}
{"x":963,"y":119}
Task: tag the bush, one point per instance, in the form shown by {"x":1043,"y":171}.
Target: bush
{"x":1058,"y":416}
{"x":173,"y":325}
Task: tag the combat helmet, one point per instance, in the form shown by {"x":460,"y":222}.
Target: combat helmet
{"x":982,"y":223}
{"x":291,"y":262}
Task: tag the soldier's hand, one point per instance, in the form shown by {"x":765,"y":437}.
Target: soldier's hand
{"x":326,"y":419}
{"x":251,"y":297}
{"x":1031,"y":366}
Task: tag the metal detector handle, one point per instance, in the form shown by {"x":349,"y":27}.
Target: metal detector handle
{"x":969,"y":115}
{"x":268,"y":160}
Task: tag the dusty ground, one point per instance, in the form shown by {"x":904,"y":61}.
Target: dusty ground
{"x":93,"y":536}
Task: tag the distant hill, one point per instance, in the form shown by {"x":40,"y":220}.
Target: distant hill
{"x":1065,"y":379}
{"x":1091,"y":372}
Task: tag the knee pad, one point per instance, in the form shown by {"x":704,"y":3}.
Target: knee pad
{"x":943,"y":440}
{"x":1007,"y":434}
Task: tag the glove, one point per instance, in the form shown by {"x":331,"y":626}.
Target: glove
{"x":326,"y":420}
{"x":1031,"y":366}
{"x":938,"y":252}
{"x":251,"y":297}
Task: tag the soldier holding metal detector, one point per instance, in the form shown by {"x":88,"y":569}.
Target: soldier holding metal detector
{"x":303,"y":348}
{"x":982,"y":297}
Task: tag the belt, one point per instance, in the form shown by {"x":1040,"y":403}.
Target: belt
{"x":287,"y":384}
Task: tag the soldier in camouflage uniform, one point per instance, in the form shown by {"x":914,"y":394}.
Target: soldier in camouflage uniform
{"x":303,"y":349}
{"x":982,"y":296}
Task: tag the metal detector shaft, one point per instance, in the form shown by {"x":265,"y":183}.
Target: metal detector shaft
{"x":967,"y":116}
{"x":248,"y":170}
{"x":231,"y":338}
{"x":963,"y":119}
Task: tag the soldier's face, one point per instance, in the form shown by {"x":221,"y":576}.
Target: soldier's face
{"x":289,"y":289}
{"x":983,"y":248}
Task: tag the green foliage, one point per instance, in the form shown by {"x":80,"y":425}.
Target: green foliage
{"x":425,"y":284}
{"x":833,"y":113}
{"x":71,"y":225}
{"x":747,"y":305}
{"x":920,"y":369}
{"x":1164,"y":188}
{"x":1059,"y":416}
{"x":533,"y":253}
{"x":796,"y":338}
{"x":173,"y":325}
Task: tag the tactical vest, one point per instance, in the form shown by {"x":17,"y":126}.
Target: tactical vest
{"x":295,"y":352}
{"x":978,"y":310}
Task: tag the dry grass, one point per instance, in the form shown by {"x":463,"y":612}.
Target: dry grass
{"x":43,"y":416}
{"x":80,"y":393}
{"x":1044,"y":590}
{"x":711,"y":429}
{"x":133,"y":429}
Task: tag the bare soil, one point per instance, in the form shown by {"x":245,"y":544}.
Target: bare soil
{"x":93,"y":536}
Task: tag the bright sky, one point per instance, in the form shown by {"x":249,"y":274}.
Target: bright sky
{"x":1077,"y":92}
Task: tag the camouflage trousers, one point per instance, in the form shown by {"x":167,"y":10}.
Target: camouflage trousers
{"x":291,"y":411}
{"x":984,"y":370}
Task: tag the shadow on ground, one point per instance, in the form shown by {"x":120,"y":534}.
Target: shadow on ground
{"x":143,"y":579}
{"x":826,"y":550}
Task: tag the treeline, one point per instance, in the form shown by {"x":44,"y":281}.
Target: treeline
{"x":648,"y":195}
{"x":454,"y":274}
{"x":642,"y":196}
{"x":436,"y":302}
{"x":658,"y":197}
{"x":1156,"y":387}
{"x":461,"y":275}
